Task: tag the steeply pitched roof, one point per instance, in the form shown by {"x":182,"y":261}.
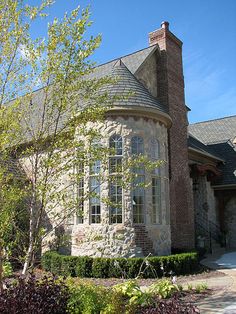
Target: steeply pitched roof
{"x":205,"y":149}
{"x":217,"y":135}
{"x":214,"y":131}
{"x":228,"y":152}
{"x":127,"y":82}
{"x":132,"y":62}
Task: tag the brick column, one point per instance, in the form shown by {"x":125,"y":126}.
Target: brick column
{"x":170,"y":91}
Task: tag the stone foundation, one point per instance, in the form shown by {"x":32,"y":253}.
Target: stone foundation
{"x":120,"y":240}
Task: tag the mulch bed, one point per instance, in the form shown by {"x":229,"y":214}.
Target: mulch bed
{"x":108,"y":282}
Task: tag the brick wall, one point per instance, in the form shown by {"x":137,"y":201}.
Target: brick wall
{"x":170,"y":91}
{"x":142,"y":240}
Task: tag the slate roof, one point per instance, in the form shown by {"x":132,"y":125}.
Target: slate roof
{"x":122,"y":69}
{"x":214,"y":131}
{"x":127,"y":82}
{"x":228,"y":152}
{"x":217,"y":136}
{"x":132,"y":62}
{"x":205,"y":149}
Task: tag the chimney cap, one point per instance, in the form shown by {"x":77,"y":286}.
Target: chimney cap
{"x":165,"y":25}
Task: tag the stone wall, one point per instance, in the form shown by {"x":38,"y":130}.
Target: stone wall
{"x":206,"y":213}
{"x":127,"y":239}
{"x":230,"y":222}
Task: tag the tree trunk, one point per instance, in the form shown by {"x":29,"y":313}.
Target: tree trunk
{"x":29,"y":254}
{"x":28,"y":258}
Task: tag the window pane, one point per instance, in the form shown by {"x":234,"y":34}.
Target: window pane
{"x":95,"y":207}
{"x":80,"y":193}
{"x":96,"y":167}
{"x":156,"y":201}
{"x":116,"y":144}
{"x":115,"y":164}
{"x":80,"y":211}
{"x":138,"y":200}
{"x":116,"y":199}
{"x":137,"y":145}
{"x":155,"y":149}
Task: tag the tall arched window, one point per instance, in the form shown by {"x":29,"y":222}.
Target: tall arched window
{"x":138,"y":194}
{"x":137,"y":145}
{"x":156,"y":183}
{"x":115,"y":185}
{"x":155,"y":149}
{"x":95,"y":182}
{"x":78,"y":213}
{"x":80,"y":194}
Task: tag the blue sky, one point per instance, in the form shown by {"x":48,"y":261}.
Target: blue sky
{"x":206,"y":27}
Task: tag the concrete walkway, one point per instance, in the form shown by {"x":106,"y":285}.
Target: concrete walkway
{"x":224,"y":299}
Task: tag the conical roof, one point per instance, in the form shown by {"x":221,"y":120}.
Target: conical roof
{"x":127,"y":84}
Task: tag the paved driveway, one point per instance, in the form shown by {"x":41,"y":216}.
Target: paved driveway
{"x":227,"y":260}
{"x":223,"y":302}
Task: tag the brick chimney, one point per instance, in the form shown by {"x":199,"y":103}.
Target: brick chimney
{"x":170,"y":91}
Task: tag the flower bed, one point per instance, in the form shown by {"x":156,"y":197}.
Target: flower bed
{"x":58,"y":296}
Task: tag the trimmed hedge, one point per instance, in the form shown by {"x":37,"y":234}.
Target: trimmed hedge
{"x":84,"y":266}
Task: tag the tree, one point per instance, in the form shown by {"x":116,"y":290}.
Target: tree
{"x":50,"y":134}
{"x":60,"y":64}
{"x":15,"y":20}
{"x":46,"y":120}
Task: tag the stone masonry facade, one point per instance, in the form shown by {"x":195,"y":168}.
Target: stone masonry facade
{"x":127,"y":239}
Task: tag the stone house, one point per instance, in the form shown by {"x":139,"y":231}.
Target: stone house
{"x":212,"y":158}
{"x":193,"y":195}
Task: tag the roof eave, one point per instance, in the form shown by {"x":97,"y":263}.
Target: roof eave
{"x":205,"y":154}
{"x":224,"y":186}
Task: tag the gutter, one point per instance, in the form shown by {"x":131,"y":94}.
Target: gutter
{"x":224,"y":187}
{"x":205,"y":154}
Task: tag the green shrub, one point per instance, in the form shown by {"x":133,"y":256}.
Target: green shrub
{"x":117,"y":268}
{"x":7,"y":269}
{"x":134,"y":267}
{"x":68,"y":266}
{"x":201,"y":287}
{"x":151,"y":267}
{"x":83,"y":266}
{"x":100,"y":267}
{"x":164,"y":289}
{"x":133,"y":294}
{"x":91,"y":299}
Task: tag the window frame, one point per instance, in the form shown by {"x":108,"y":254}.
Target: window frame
{"x":116,"y":172}
{"x":156,"y":215}
{"x":137,"y":149}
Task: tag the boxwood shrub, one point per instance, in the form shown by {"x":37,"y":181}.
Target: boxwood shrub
{"x":151,"y":267}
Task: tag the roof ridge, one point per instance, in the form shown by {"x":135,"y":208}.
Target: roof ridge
{"x":211,"y":120}
{"x":121,"y":57}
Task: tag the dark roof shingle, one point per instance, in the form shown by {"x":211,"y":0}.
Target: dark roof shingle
{"x":228,"y":152}
{"x":126,"y":83}
{"x":205,"y":149}
{"x":218,"y":135}
{"x":214,"y":131}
